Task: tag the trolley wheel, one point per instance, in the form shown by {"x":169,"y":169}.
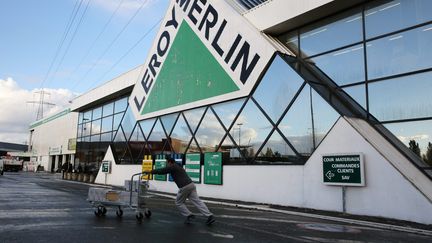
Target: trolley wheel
{"x":119,"y":213}
{"x":104,"y":210}
{"x":148,"y":213}
{"x":98,"y":212}
{"x":139,"y":216}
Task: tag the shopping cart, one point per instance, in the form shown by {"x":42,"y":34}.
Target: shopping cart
{"x":131,"y":198}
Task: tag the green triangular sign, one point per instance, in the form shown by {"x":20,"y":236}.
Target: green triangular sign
{"x":189,"y":73}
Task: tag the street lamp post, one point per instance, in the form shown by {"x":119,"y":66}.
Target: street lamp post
{"x":239,"y":125}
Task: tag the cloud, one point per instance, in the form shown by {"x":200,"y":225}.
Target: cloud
{"x":417,"y":137}
{"x":16,"y":114}
{"x":127,"y":7}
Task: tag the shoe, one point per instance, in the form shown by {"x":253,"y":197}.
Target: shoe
{"x":210,"y":220}
{"x":189,"y":219}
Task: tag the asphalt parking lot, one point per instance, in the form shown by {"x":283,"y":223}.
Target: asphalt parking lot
{"x":39,"y":207}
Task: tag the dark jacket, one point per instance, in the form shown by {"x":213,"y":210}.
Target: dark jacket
{"x":177,"y":172}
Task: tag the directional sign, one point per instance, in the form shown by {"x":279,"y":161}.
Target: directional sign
{"x":106,"y":166}
{"x":343,"y":170}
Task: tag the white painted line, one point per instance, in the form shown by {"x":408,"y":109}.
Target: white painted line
{"x":316,"y":216}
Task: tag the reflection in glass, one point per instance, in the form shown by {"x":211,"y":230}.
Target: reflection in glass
{"x":96,"y":126}
{"x":120,"y":105}
{"x":400,"y":53}
{"x":420,"y":131}
{"x":95,"y":138}
{"x":227,"y":111}
{"x":157,"y":139}
{"x":137,"y":144}
{"x":80,"y":118}
{"x":338,"y":31}
{"x":147,"y":125}
{"x":106,"y":137}
{"x":108,"y":109}
{"x":120,"y":148}
{"x":290,"y":40}
{"x":117,"y":120}
{"x":193,"y":147}
{"x":97,"y":113}
{"x":276,"y":150}
{"x":86,"y":129}
{"x":87,"y":116}
{"x":80,"y":131}
{"x":168,"y":121}
{"x":358,"y":93}
{"x":277,"y":88}
{"x":193,"y":117}
{"x":180,"y":136}
{"x":345,"y":66}
{"x":231,"y":151}
{"x":107,"y":124}
{"x":324,"y":116}
{"x":409,"y":96}
{"x":128,"y":122}
{"x":209,"y":133}
{"x":297,"y":124}
{"x":382,"y":17}
{"x":251,"y":128}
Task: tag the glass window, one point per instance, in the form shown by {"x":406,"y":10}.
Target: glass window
{"x":345,"y":66}
{"x":106,"y":137}
{"x":193,"y":147}
{"x":209,"y":133}
{"x":400,"y":53}
{"x":338,"y":31}
{"x":419,"y":131}
{"x":409,"y":96}
{"x":80,"y":118}
{"x":227,"y":111}
{"x":276,"y":150}
{"x":277,"y":88}
{"x":297,"y":124}
{"x":193,"y":117}
{"x":86,"y":129}
{"x":108,"y":109}
{"x":168,"y":121}
{"x":128,"y":123}
{"x":324,"y":117}
{"x":382,"y":17}
{"x":95,"y":138}
{"x":358,"y":93}
{"x":120,"y":105}
{"x":291,"y":41}
{"x":157,"y":139}
{"x":251,"y":128}
{"x":80,"y":131}
{"x":147,"y":126}
{"x":117,"y":120}
{"x":137,"y":144}
{"x":87,"y":116}
{"x":107,"y":124}
{"x":96,"y":127}
{"x":97,"y":113}
{"x":231,"y":151}
{"x":180,"y":136}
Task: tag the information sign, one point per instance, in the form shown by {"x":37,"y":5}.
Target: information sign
{"x":106,"y":166}
{"x":193,"y":167}
{"x":343,"y":169}
{"x":160,"y":162}
{"x":147,"y":166}
{"x":213,"y":168}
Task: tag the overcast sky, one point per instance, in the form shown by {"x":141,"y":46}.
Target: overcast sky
{"x":66,"y":47}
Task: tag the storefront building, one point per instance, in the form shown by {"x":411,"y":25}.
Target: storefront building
{"x":290,"y":95}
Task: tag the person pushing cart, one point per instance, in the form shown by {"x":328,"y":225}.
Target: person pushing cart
{"x":187,"y":190}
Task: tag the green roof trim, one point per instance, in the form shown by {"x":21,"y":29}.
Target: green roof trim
{"x":48,"y":119}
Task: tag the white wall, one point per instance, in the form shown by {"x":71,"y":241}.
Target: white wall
{"x":387,"y":192}
{"x":55,"y":133}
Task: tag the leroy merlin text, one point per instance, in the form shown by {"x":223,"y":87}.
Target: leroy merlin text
{"x":205,"y":18}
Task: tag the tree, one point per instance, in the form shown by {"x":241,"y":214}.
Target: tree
{"x":427,"y":157}
{"x":269,"y":152}
{"x":414,"y":146}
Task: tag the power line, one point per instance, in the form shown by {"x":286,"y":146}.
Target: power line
{"x":112,"y":43}
{"x":97,"y":38}
{"x":65,"y":33}
{"x":130,"y":49}
{"x":72,"y":38}
{"x":41,"y":103}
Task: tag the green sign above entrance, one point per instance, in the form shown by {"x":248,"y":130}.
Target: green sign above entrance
{"x":213,"y":168}
{"x":343,"y":170}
